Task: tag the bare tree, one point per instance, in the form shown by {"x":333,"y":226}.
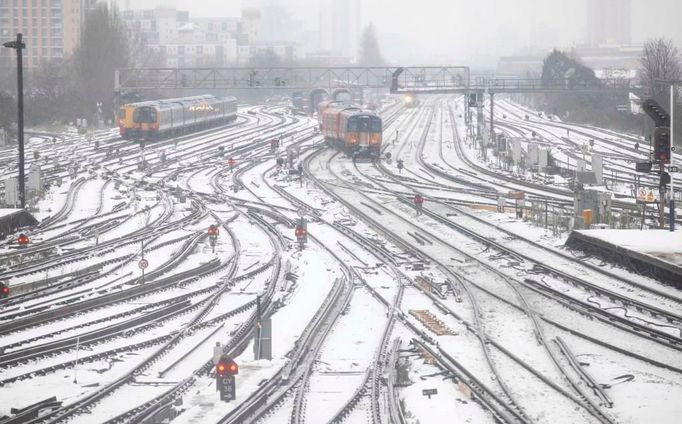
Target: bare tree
{"x":103,"y":48}
{"x":660,"y":61}
{"x":266,"y":59}
{"x":141,"y":54}
{"x":47,"y":98}
{"x":8,"y":110}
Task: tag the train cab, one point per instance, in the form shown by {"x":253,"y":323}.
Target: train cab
{"x":146,"y":120}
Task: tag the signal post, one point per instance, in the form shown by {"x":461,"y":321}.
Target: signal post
{"x":213,"y":233}
{"x":225,"y":371}
{"x":662,"y":153}
{"x":301,"y":233}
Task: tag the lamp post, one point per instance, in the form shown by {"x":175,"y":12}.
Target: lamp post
{"x":671,"y":206}
{"x":19,"y":45}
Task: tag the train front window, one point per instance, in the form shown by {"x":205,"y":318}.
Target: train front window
{"x":363,"y":124}
{"x":376,"y":125}
{"x":144,"y":115}
{"x":352,"y":125}
{"x":138,"y":115}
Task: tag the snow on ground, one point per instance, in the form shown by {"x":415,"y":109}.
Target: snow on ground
{"x":316,"y":273}
{"x":663,"y":244}
{"x":348,"y":351}
{"x":449,"y":403}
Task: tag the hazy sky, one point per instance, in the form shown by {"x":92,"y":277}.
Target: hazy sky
{"x":464,"y":31}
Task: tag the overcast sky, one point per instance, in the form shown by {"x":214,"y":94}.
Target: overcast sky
{"x":464,"y":31}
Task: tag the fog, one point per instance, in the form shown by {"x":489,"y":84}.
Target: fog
{"x":472,"y":32}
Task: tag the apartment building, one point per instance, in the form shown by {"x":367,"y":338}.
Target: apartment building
{"x":50,"y":28}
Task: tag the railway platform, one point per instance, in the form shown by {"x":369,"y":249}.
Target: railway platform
{"x":657,"y":253}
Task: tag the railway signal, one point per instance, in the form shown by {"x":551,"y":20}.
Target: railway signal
{"x":143,"y":264}
{"x":419,"y":203}
{"x":274,"y":144}
{"x":213,"y":233}
{"x":225,"y":371}
{"x":662,"y":145}
{"x":399,"y":162}
{"x":4,"y":291}
{"x":301,"y":233}
{"x":23,"y":240}
{"x":231,"y":163}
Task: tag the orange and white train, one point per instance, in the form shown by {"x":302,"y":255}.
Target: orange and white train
{"x":170,"y":117}
{"x":355,"y":131}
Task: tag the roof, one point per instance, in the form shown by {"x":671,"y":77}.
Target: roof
{"x":7,"y":212}
{"x":11,"y":219}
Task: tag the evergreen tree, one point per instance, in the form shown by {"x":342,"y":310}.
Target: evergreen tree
{"x":370,"y":53}
{"x":561,"y":71}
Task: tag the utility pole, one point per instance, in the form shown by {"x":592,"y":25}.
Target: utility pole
{"x":671,"y":207}
{"x":19,"y":45}
{"x":492,"y":125}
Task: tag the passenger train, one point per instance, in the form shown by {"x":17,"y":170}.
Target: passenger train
{"x":355,"y":131}
{"x":158,"y":119}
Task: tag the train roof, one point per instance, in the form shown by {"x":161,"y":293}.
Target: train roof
{"x":183,"y":100}
{"x":350,"y":109}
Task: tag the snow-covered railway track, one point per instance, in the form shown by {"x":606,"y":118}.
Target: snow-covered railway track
{"x":665,"y":318}
{"x":377,"y":212}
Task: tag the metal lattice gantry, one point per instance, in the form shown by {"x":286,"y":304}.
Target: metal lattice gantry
{"x":408,"y":80}
{"x":290,"y":77}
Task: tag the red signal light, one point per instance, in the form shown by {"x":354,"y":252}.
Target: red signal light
{"x":5,"y":290}
{"x":226,"y":366}
{"x":22,"y":239}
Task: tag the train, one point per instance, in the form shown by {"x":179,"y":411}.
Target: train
{"x":355,"y":131}
{"x":157,"y":119}
{"x":410,"y":101}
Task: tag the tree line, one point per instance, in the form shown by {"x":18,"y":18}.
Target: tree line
{"x":60,"y":91}
{"x":659,"y":63}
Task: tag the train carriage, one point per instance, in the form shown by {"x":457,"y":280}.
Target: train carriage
{"x":169,"y":117}
{"x":355,"y":131}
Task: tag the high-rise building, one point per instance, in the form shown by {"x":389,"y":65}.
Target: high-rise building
{"x":608,"y":22}
{"x":340,"y":27}
{"x":50,"y":28}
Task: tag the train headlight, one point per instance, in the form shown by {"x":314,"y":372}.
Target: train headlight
{"x":376,"y":138}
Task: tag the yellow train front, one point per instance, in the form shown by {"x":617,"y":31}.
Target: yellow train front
{"x":171,"y":117}
{"x":355,"y":131}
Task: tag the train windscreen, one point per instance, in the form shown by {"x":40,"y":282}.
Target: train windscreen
{"x":144,"y":115}
{"x":361,"y":124}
